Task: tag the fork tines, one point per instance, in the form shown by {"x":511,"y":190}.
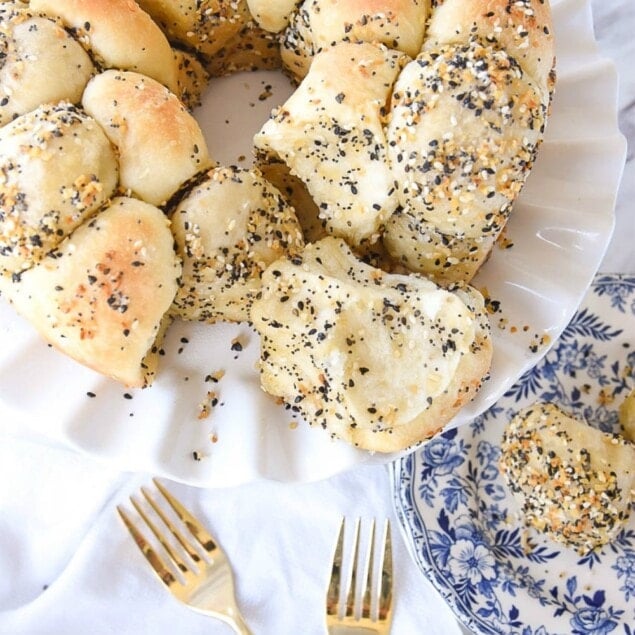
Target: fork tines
{"x":373,"y":569}
{"x":194,"y":531}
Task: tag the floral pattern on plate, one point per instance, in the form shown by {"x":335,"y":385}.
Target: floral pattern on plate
{"x":458,"y":517}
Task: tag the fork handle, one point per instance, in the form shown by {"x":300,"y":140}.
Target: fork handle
{"x":352,"y":630}
{"x":236,"y":622}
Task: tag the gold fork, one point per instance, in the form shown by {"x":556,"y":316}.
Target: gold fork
{"x":374,"y":613}
{"x":203,"y":580}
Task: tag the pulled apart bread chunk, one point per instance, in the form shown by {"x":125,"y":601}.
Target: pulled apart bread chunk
{"x":330,"y":134}
{"x":101,"y":297}
{"x":572,"y":482}
{"x":228,"y":229}
{"x":380,"y":360}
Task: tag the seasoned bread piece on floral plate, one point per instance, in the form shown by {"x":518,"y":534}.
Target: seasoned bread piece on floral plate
{"x":380,"y":360}
{"x":228,"y":229}
{"x":330,"y":134}
{"x":37,"y":54}
{"x":160,"y":144}
{"x":572,"y":482}
{"x":102,"y":296}
{"x":57,"y":167}
{"x":118,"y":34}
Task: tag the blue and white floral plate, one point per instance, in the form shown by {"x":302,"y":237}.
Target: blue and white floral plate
{"x":453,"y":504}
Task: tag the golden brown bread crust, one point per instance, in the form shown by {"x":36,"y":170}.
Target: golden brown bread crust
{"x":332,"y":326}
{"x":160,"y":144}
{"x":37,"y":53}
{"x":57,"y":168}
{"x":318,"y":24}
{"x":118,"y":34}
{"x":626,"y":414}
{"x":101,"y":296}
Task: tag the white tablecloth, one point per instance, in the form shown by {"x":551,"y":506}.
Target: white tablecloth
{"x":67,"y":566}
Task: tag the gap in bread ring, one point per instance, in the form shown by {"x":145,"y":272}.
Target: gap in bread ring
{"x":233,"y":110}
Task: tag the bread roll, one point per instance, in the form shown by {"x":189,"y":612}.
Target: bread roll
{"x":37,"y":54}
{"x":160,"y":144}
{"x":522,"y":28}
{"x":102,"y":295}
{"x":572,"y":482}
{"x":318,"y":24}
{"x":192,"y":78}
{"x":465,"y":123}
{"x":272,"y":15}
{"x":57,"y":167}
{"x":380,"y":360}
{"x":228,"y":229}
{"x":118,"y":34}
{"x":250,"y":49}
{"x":202,"y":25}
{"x":330,"y":134}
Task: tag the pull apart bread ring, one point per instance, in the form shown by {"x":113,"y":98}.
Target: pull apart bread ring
{"x":411,"y":132}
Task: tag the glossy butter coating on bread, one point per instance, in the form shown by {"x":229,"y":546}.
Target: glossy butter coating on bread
{"x":572,"y":482}
{"x":380,"y":360}
{"x":118,"y":35}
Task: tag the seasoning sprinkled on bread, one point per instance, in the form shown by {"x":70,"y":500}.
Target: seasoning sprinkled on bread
{"x":574,"y":483}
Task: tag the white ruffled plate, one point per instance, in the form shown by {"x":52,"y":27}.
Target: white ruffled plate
{"x":560,"y":229}
{"x":453,"y":503}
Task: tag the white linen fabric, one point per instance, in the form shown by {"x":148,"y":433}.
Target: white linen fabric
{"x":68,"y":566}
